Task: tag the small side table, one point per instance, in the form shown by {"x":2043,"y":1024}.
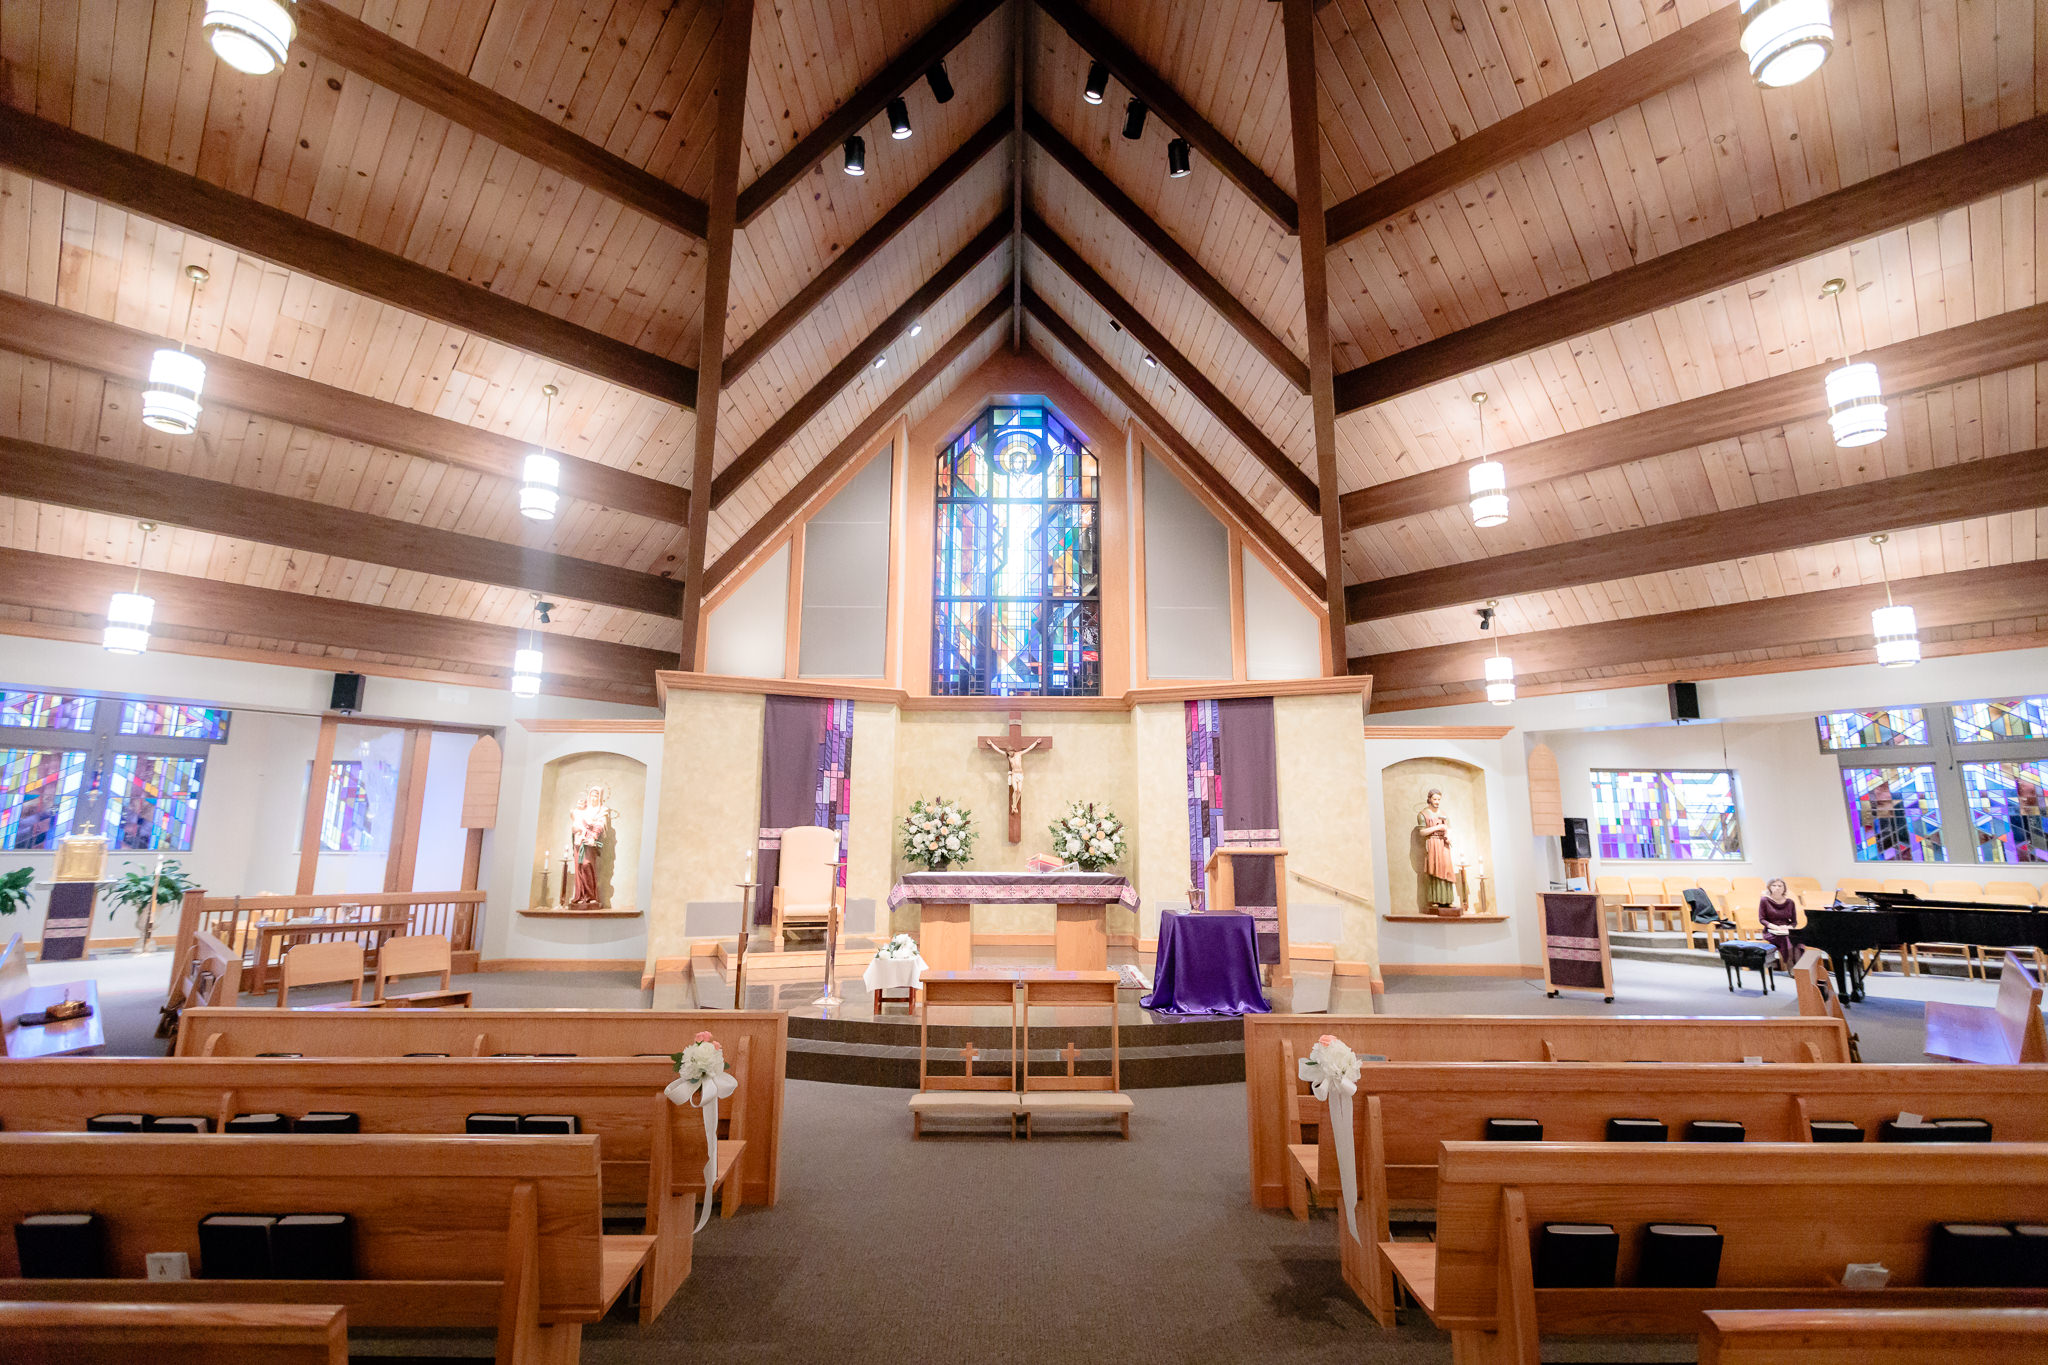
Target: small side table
{"x":885,"y":974}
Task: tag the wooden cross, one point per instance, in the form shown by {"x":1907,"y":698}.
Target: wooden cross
{"x":1072,"y":1055}
{"x":967,"y":1056}
{"x":1013,"y":746}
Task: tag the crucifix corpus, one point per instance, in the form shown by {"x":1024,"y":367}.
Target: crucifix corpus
{"x":1013,"y":746}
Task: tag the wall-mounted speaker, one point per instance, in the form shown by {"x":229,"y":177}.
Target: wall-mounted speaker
{"x":1685,"y":701}
{"x":347,"y":696}
{"x":1577,"y":839}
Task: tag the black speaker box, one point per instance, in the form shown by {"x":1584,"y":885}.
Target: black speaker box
{"x":1578,"y":838}
{"x":348,"y":693}
{"x":1685,"y":700}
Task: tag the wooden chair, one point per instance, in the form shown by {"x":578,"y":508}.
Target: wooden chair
{"x":1749,"y":891}
{"x":1613,"y":894}
{"x":173,"y":1334}
{"x":1645,"y":901}
{"x":1965,"y":953}
{"x":1874,"y":1336}
{"x":418,"y":955}
{"x":320,"y":964}
{"x":1807,"y":892}
{"x":2014,"y":893}
{"x":2009,"y":1031}
{"x":807,"y":893}
{"x":1905,"y":886}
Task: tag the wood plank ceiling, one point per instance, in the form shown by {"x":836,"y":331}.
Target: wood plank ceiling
{"x":1585,"y":208}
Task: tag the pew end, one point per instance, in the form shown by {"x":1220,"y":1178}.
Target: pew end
{"x":1873,"y":1336}
{"x":173,"y":1334}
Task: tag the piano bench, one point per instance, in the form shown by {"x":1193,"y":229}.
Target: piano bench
{"x":1757,"y":956}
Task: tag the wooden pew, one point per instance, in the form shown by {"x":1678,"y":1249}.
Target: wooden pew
{"x":480,"y":1033}
{"x":2010,"y":1030}
{"x":172,"y":1334}
{"x":1874,"y":1336}
{"x":1792,"y":1215}
{"x":449,"y":1231}
{"x":1499,"y":1038}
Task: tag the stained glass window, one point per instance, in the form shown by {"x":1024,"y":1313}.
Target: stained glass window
{"x":1873,"y":729}
{"x":1982,"y":722}
{"x":2009,"y":810}
{"x":39,"y":791}
{"x":1682,"y":816}
{"x":153,"y":801}
{"x":345,"y":826}
{"x":1016,"y":595}
{"x":173,"y":721}
{"x":46,"y":710}
{"x":1894,"y":814}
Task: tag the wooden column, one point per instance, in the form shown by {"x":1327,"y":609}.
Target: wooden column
{"x":1297,"y":20}
{"x":404,"y":858}
{"x":735,"y":42}
{"x":316,"y":804}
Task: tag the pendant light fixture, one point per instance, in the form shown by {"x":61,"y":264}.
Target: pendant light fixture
{"x":527,"y":661}
{"x":1177,"y":163}
{"x":1098,"y":83}
{"x":899,"y":119}
{"x":1896,"y":629}
{"x":1500,"y":669}
{"x":540,"y":485}
{"x":856,"y":155}
{"x":939,"y":81}
{"x":1786,"y":40}
{"x":1489,"y":478}
{"x":252,"y":36}
{"x":1855,"y":396}
{"x":129,"y":613}
{"x":170,"y":399}
{"x":1134,"y":120}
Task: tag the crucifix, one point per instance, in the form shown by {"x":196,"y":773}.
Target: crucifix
{"x":1013,"y":747}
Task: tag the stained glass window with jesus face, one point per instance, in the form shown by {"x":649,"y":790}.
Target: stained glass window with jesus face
{"x":1016,"y":587}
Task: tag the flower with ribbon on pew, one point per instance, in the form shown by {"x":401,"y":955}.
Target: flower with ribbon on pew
{"x":702,"y":1080}
{"x":1332,"y":1070}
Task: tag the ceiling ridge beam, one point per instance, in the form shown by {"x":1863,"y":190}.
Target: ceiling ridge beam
{"x":1170,"y":252}
{"x":122,"y":353}
{"x":1975,"y":488}
{"x":864,"y":248}
{"x":798,"y":414}
{"x":1913,"y":193}
{"x":2002,"y":341}
{"x":55,"y":154}
{"x":899,"y":75}
{"x":1192,"y":460}
{"x":1964,"y":597}
{"x":1199,"y":386}
{"x":123,"y":488}
{"x":1092,"y":37}
{"x":408,"y":72}
{"x":1613,"y":89}
{"x":790,"y":505}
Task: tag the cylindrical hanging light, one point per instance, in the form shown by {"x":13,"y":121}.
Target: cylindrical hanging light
{"x":899,"y":119}
{"x":1856,"y":409}
{"x":252,"y":36}
{"x":1134,"y":120}
{"x":1098,"y":83}
{"x":1488,"y":480}
{"x":540,"y":484}
{"x":526,"y":671}
{"x":170,"y":398}
{"x":1177,"y":164}
{"x":1500,"y":669}
{"x":856,"y":156}
{"x":129,"y":613}
{"x":1786,"y":40}
{"x":1896,"y":628}
{"x":939,"y":81}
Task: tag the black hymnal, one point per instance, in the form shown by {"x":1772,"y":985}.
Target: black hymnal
{"x":1576,"y":1256}
{"x":1900,"y":1130}
{"x":513,"y":1054}
{"x":1835,"y":1130}
{"x":235,"y":1246}
{"x":326,"y":1121}
{"x":313,"y":1246}
{"x":177,"y":1123}
{"x":280,"y":1054}
{"x":549,"y":1123}
{"x":491,"y":1123}
{"x":1964,"y":1130}
{"x":1514,"y":1130}
{"x":1970,"y":1255}
{"x":61,"y":1246}
{"x":116,"y":1123}
{"x":2030,"y":1264}
{"x":426,"y":1054}
{"x":259,"y":1123}
{"x":1680,"y":1256}
{"x":1712,"y":1130}
{"x":1637,"y":1130}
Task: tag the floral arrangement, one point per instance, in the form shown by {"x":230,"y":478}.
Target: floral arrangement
{"x":938,"y":833}
{"x":702,"y":1080}
{"x":1332,"y":1071}
{"x":1089,"y":835}
{"x":898,"y":949}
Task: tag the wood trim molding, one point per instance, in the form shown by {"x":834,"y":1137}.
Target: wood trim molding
{"x":668,"y":681}
{"x":1438,"y":731}
{"x":1360,"y":687}
{"x":562,"y":964}
{"x":555,"y":725}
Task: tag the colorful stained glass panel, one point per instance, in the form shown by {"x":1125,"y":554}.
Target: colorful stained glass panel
{"x":1894,"y":814}
{"x":153,"y":801}
{"x":173,"y":720}
{"x":39,"y":791}
{"x":46,"y":710}
{"x":1876,"y":729}
{"x":1984,"y":722}
{"x":345,"y":826}
{"x":2009,"y":810}
{"x":1676,"y":816}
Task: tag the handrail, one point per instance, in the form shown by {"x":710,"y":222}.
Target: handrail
{"x":1322,"y":885}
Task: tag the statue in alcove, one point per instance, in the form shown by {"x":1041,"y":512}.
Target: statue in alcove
{"x":1440,"y":873}
{"x":588,"y":820}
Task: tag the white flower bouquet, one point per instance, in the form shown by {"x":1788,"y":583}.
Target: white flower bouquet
{"x":1332,"y":1070}
{"x":901,"y":948}
{"x":1089,"y":836}
{"x":938,"y":833}
{"x":702,"y":1080}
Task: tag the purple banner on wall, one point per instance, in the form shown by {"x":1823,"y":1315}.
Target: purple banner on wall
{"x":1234,"y":802}
{"x":806,"y":779}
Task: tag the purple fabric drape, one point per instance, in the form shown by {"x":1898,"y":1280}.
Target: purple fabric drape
{"x":1207,"y":964}
{"x":1234,"y":802}
{"x":806,"y":778}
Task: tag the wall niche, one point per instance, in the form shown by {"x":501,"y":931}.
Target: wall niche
{"x":562,"y":781}
{"x":1403,"y":786}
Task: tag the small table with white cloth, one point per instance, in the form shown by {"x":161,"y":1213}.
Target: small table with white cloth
{"x":894,"y":974}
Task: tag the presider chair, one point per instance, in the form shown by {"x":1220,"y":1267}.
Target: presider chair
{"x":807,"y":890}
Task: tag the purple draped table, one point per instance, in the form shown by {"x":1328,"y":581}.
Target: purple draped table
{"x":1207,"y":964}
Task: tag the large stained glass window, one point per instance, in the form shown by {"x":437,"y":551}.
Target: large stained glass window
{"x":2009,"y":810}
{"x":173,"y":721}
{"x":46,"y":710}
{"x":1894,"y":814}
{"x":39,"y":790}
{"x":1016,"y":596}
{"x":1984,"y":722}
{"x":1877,"y":729}
{"x":153,"y":801}
{"x":1681,"y":816}
{"x":345,"y":825}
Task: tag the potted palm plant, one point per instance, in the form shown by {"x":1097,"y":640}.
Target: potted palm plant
{"x":14,"y":889}
{"x":147,"y":891}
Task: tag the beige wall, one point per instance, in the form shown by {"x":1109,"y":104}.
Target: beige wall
{"x":1323,"y":818}
{"x":1403,"y":786}
{"x":562,"y":782}
{"x":870,"y":834}
{"x":1160,"y":746}
{"x":710,"y":808}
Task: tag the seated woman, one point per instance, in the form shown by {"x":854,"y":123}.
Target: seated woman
{"x":1779,"y":913}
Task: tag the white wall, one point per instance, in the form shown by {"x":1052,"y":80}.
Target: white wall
{"x":747,"y":635}
{"x":1282,"y":637}
{"x":1187,"y":582}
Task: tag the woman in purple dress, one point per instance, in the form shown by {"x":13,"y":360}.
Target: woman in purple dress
{"x":1779,"y":913}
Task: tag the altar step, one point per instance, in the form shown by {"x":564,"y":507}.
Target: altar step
{"x":1668,"y":946}
{"x":884,"y":1053}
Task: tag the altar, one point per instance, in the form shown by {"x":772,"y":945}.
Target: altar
{"x":1080,"y":902}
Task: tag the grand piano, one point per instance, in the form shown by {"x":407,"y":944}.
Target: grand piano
{"x":1893,"y":919}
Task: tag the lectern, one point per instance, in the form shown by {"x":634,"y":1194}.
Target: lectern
{"x":1226,"y":876}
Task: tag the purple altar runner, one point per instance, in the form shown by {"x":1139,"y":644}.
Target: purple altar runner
{"x":1014,"y":888}
{"x":1207,"y":964}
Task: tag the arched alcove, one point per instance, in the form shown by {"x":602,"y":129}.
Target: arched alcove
{"x":1403,"y":787}
{"x":562,"y":781}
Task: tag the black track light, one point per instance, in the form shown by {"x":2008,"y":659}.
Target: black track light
{"x":856,"y":156}
{"x":939,"y":81}
{"x":1177,"y":158}
{"x":1098,"y":83}
{"x":899,"y":119}
{"x":1134,"y":120}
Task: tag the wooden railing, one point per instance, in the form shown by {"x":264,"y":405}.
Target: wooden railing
{"x":238,"y":921}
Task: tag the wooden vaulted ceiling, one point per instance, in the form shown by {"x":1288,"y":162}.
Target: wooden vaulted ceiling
{"x":1587,"y":210}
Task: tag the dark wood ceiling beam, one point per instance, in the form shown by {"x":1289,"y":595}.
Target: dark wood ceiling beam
{"x":886,"y":228}
{"x":1611,"y":90}
{"x":1167,"y":104}
{"x":1801,"y":618}
{"x":1913,"y":193}
{"x":56,"y":154}
{"x":849,"y":118}
{"x":791,"y":504}
{"x":2004,"y":341}
{"x":407,"y":71}
{"x":122,"y":353}
{"x":814,"y":400}
{"x":1185,"y":371}
{"x":2004,"y":483}
{"x":46,"y":582}
{"x":122,"y":488}
{"x":1178,"y":446}
{"x":1171,"y":253}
